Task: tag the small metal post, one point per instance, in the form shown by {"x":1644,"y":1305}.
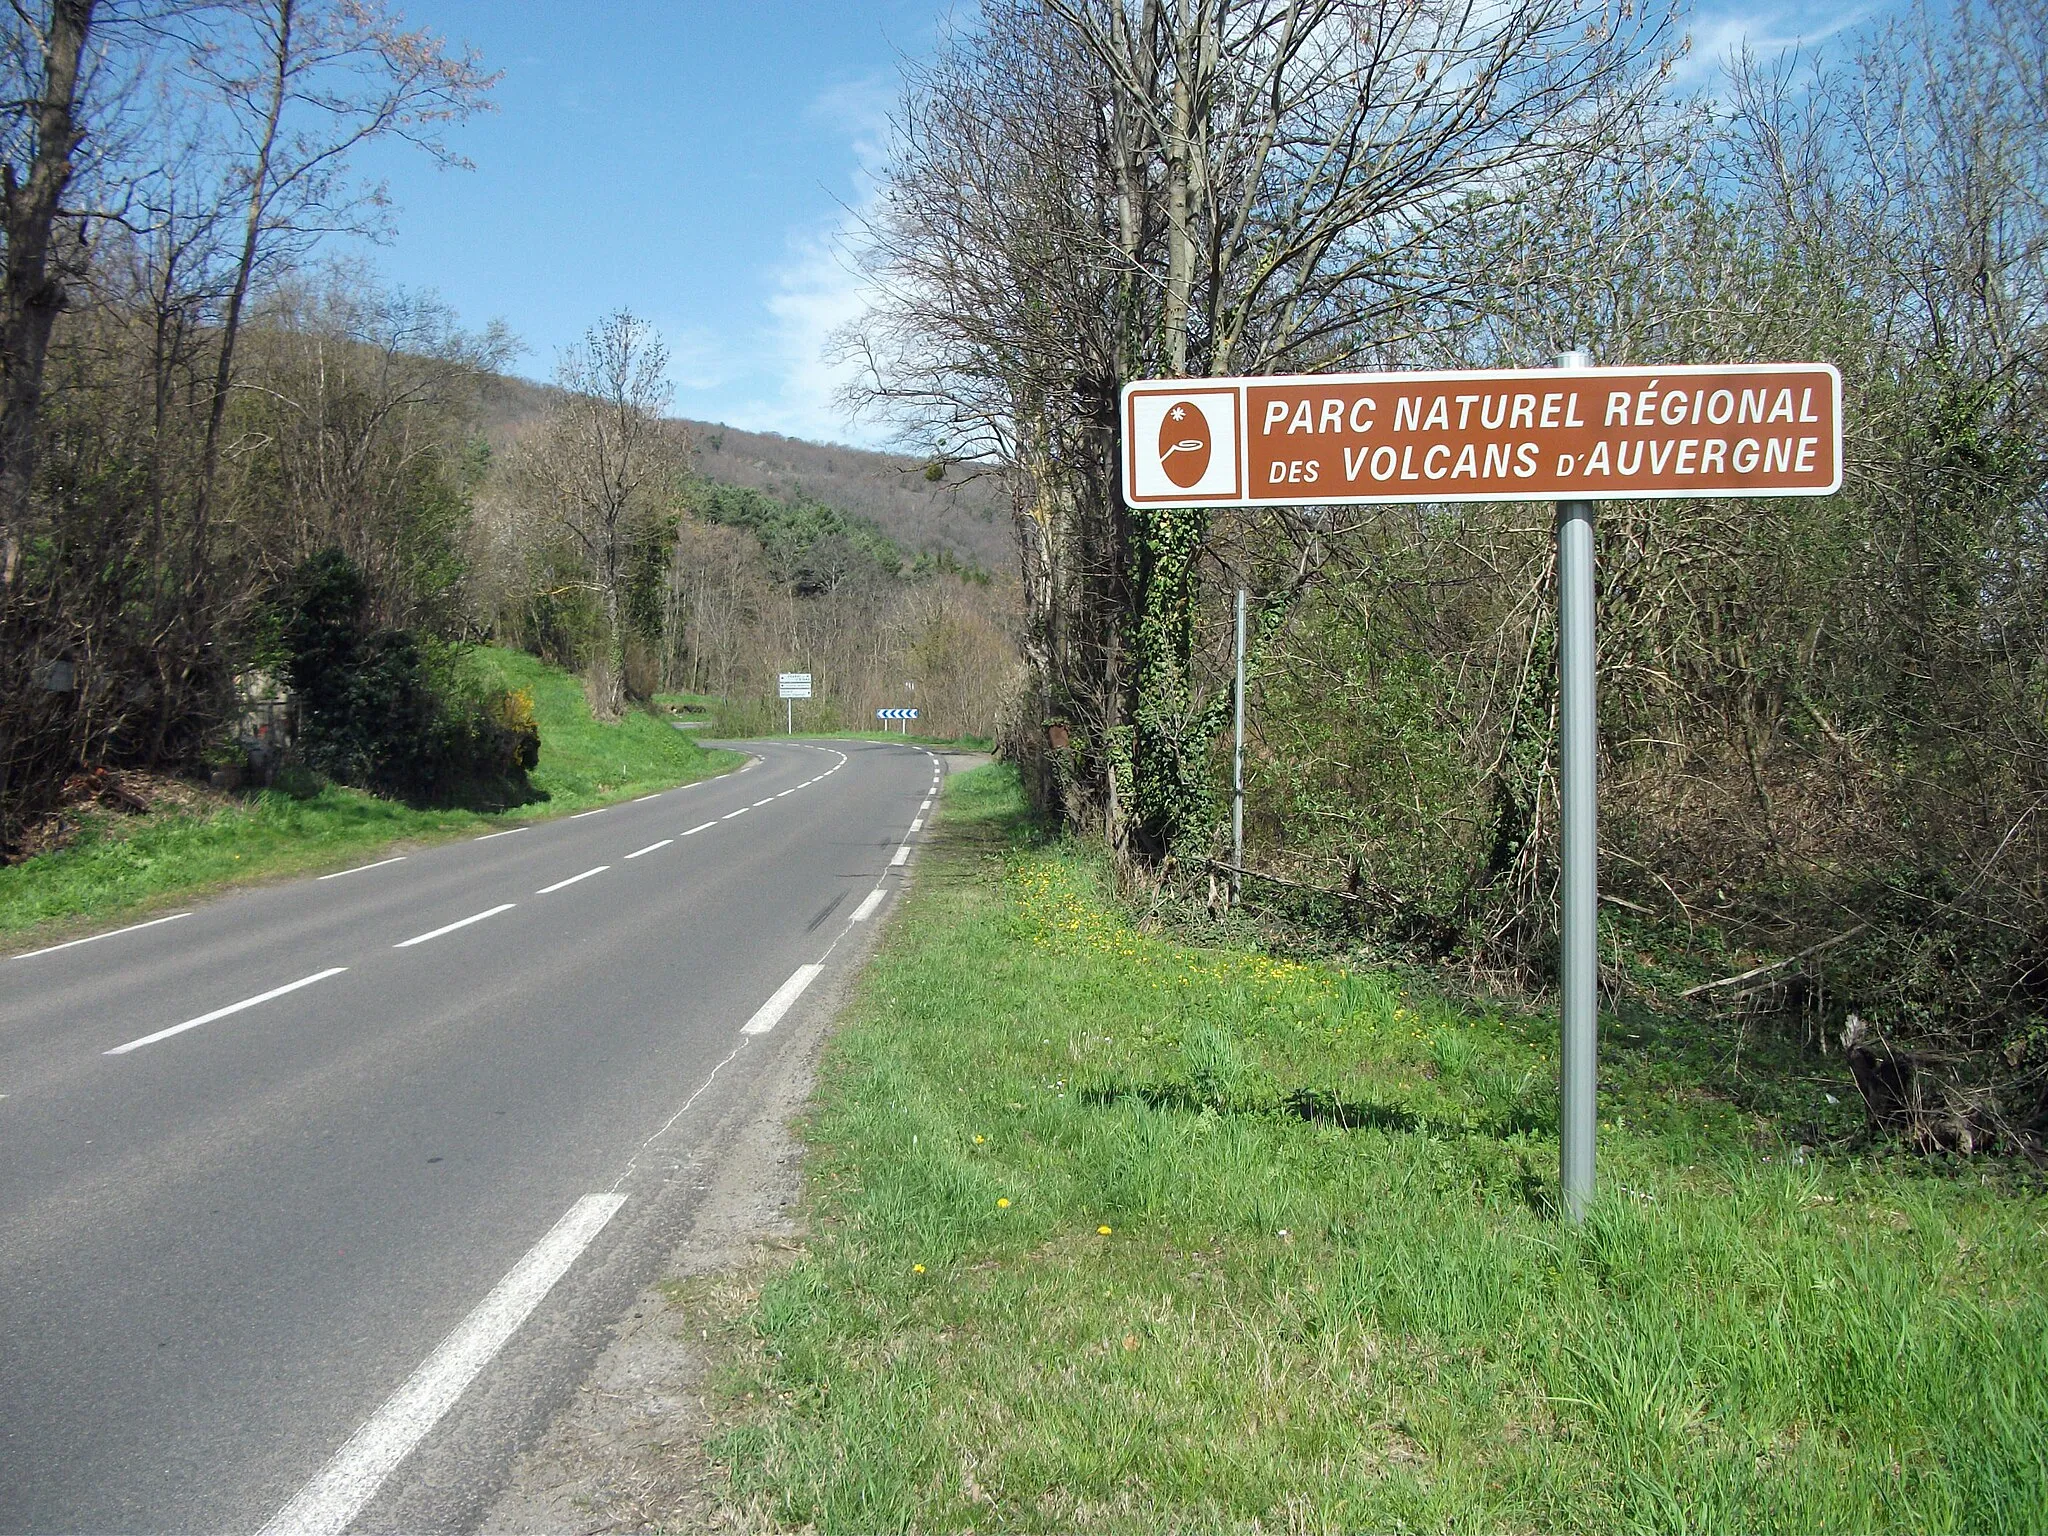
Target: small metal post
{"x":1578,"y":751}
{"x":1237,"y":766}
{"x":789,"y":717}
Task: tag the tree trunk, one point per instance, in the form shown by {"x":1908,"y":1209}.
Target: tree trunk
{"x":245,"y":267}
{"x":30,"y":294}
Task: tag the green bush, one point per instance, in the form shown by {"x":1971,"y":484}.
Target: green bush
{"x":390,"y":710}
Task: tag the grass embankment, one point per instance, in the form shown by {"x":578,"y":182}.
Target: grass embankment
{"x":120,"y":865}
{"x":1113,"y":1234}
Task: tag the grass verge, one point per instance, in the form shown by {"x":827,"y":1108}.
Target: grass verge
{"x":1110,"y":1233}
{"x":127,"y":864}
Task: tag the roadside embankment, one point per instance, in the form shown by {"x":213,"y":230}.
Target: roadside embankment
{"x":117,"y":864}
{"x":1112,"y":1233}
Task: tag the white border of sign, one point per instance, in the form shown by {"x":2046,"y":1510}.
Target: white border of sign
{"x":1240,"y":387}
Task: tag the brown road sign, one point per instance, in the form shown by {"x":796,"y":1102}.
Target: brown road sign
{"x":1501,"y":435}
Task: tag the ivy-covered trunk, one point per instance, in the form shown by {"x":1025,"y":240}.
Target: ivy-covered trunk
{"x":1161,"y":752}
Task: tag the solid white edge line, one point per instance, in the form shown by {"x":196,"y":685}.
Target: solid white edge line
{"x":221,"y":1013}
{"x":361,"y":867}
{"x":338,"y":1492}
{"x":421,"y":938}
{"x":113,"y":933}
{"x":598,"y":812}
{"x":506,"y":833}
{"x":701,"y":826}
{"x":902,"y":856}
{"x":875,"y":898}
{"x":645,"y":798}
{"x":770,"y":1013}
{"x":650,"y":848}
{"x":548,"y":889}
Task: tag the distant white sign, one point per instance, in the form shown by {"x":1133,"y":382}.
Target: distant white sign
{"x":793,"y":685}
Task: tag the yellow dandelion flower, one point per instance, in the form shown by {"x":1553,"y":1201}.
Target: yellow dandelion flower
{"x":1102,"y":1231}
{"x":978,"y":1140}
{"x":1003,"y":1204}
{"x":917,"y":1269}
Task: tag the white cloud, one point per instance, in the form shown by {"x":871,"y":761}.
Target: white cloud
{"x":1718,"y":35}
{"x":818,"y":291}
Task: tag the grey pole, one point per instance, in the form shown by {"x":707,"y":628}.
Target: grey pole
{"x":789,"y":717}
{"x":1237,"y":766}
{"x":1578,"y":747}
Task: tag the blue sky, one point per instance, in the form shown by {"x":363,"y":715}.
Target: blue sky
{"x":688,"y":161}
{"x":692,"y":161}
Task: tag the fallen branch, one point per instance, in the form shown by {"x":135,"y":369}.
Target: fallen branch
{"x":1775,"y":965}
{"x":1296,"y":885}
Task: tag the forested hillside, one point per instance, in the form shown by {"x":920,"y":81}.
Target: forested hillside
{"x":967,"y":517}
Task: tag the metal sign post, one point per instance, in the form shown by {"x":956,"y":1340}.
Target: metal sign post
{"x":1578,"y":751}
{"x":1574,"y":437}
{"x":1237,"y":767}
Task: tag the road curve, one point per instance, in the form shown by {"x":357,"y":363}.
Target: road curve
{"x":317,"y":1199}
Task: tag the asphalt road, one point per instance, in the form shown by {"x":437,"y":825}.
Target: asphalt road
{"x":325,"y":1260}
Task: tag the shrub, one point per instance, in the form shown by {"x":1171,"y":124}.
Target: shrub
{"x":390,"y":710}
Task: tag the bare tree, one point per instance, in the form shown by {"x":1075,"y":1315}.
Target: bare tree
{"x":355,"y":399}
{"x":1091,"y":191}
{"x":603,"y":461}
{"x":302,"y":84}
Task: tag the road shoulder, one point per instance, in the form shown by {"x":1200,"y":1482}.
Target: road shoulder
{"x":628,"y":1452}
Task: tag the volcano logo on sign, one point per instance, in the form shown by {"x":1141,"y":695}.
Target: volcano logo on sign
{"x":1184,"y":443}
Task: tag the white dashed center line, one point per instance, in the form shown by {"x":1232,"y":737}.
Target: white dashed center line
{"x":361,"y":867}
{"x":221,"y":1013}
{"x":95,"y":938}
{"x":701,"y":826}
{"x":650,"y":848}
{"x":503,"y":906}
{"x":547,"y":889}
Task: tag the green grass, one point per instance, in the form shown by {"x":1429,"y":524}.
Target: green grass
{"x":583,"y":762}
{"x":128,"y":865}
{"x":1334,"y":1294}
{"x":688,"y":703}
